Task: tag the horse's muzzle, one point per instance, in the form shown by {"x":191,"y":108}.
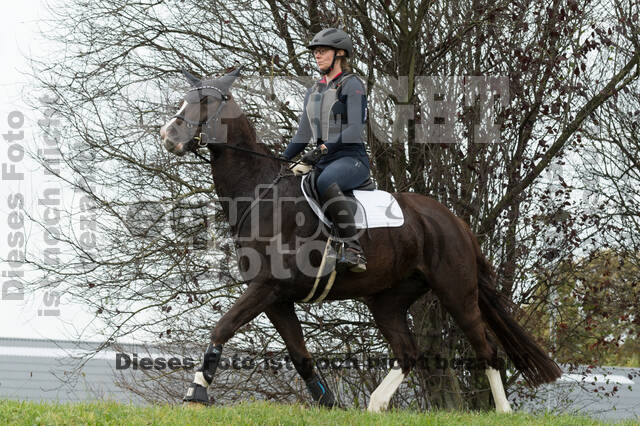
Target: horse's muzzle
{"x":176,"y":148}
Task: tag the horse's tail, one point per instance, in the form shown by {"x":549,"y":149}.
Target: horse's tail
{"x":527,"y":356}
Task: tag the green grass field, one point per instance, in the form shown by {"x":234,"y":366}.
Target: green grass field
{"x":14,"y":412}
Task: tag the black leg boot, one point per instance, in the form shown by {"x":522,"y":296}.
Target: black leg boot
{"x":320,"y":392}
{"x":341,"y":210}
{"x":197,"y":390}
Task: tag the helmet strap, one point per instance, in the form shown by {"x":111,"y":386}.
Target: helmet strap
{"x":333,"y":62}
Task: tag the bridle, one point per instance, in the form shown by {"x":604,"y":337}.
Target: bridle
{"x":203,"y":137}
{"x":204,"y":140}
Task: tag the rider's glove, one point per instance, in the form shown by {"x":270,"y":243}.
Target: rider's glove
{"x":313,"y":156}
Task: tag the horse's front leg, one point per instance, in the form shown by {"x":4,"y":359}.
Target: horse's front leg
{"x":253,"y":302}
{"x":284,"y":318}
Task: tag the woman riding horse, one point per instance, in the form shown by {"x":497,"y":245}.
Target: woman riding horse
{"x":432,"y":251}
{"x":335,"y":110}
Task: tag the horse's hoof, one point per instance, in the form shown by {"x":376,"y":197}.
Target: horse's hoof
{"x":328,"y":401}
{"x":196,"y":395}
{"x":338,"y":406}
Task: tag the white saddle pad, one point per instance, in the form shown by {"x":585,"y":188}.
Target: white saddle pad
{"x":382,"y":210}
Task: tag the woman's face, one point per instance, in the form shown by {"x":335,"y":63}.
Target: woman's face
{"x":324,"y":56}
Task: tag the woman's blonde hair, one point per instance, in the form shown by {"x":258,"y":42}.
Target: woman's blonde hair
{"x":344,"y":64}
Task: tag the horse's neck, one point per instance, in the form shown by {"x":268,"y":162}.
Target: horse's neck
{"x":241,"y":174}
{"x":237,"y":174}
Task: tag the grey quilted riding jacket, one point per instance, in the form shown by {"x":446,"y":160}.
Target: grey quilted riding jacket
{"x":346,"y":121}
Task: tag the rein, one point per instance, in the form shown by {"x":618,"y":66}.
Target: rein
{"x":246,"y":212}
{"x":206,"y":144}
{"x":203,"y":141}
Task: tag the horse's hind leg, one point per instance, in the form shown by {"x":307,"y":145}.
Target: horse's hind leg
{"x":389,"y":309}
{"x":253,"y":302}
{"x":457,"y":289}
{"x":286,"y":322}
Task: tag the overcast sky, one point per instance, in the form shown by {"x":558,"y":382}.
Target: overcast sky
{"x":20,"y":39}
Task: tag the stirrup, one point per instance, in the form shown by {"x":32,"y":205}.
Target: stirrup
{"x":360,"y":264}
{"x":351,"y":259}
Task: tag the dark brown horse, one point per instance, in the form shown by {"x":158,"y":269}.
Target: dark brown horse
{"x":432,"y":250}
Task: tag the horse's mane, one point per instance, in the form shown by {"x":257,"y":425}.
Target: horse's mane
{"x":246,"y":127}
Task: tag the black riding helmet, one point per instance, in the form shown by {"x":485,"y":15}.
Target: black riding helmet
{"x":335,"y":39}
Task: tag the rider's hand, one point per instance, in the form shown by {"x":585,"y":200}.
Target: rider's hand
{"x":312,"y":157}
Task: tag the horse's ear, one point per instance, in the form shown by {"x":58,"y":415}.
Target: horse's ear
{"x":193,"y":80}
{"x":225,"y":82}
{"x":236,"y":72}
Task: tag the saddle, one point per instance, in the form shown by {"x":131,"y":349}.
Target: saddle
{"x":375,"y":208}
{"x":327,"y":270}
{"x":309,"y":186}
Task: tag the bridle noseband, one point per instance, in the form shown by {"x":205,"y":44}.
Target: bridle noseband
{"x":204,"y":139}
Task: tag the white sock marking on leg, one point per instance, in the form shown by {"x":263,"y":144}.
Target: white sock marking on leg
{"x":382,"y":395}
{"x":497,"y":389}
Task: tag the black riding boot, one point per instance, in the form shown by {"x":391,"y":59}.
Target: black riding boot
{"x":341,"y":210}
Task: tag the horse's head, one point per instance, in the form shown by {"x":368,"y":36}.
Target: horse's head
{"x":198,"y":120}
